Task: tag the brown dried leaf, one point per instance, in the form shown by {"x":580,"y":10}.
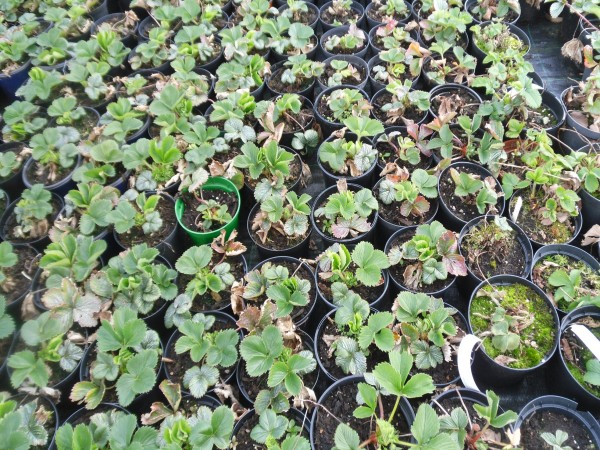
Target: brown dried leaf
{"x":573,"y":50}
{"x":592,"y":236}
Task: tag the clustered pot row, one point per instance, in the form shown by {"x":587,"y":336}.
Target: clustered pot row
{"x":439,"y":149}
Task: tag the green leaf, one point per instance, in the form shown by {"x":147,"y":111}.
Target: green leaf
{"x":370,"y":263}
{"x":346,"y":438}
{"x":260,"y":352}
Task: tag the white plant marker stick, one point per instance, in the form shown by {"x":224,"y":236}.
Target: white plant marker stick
{"x":463,"y":360}
{"x":517,"y":210}
{"x":588,"y":338}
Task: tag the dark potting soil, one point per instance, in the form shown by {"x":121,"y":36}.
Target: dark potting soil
{"x":297,"y":122}
{"x":295,"y":173}
{"x":303,"y":273}
{"x":397,"y":271}
{"x":319,"y":222}
{"x":120,"y":26}
{"x":330,"y":72}
{"x":410,"y":113}
{"x":20,"y":276}
{"x":207,"y":302}
{"x":36,"y":173}
{"x":370,"y":294}
{"x":178,"y":364}
{"x":306,"y":17}
{"x":4,"y":348}
{"x":435,"y":66}
{"x":11,"y":223}
{"x":338,"y":50}
{"x":375,"y":357}
{"x":191,"y":202}
{"x":342,"y":17}
{"x":392,"y":212}
{"x":465,"y":208}
{"x":299,"y":85}
{"x":137,"y":236}
{"x":387,"y":153}
{"x":277,"y":241}
{"x":243,"y":441}
{"x":76,"y":90}
{"x":460,"y":102}
{"x":87,"y":415}
{"x":254,"y":385}
{"x":528,"y":220}
{"x":489,"y":257}
{"x":542,"y":117}
{"x":382,"y":16}
{"x":549,"y":422}
{"x":342,"y":403}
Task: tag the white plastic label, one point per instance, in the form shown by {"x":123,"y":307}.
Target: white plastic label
{"x":588,"y":338}
{"x":465,"y":352}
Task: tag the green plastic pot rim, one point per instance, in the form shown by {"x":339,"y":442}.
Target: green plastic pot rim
{"x":179,"y":206}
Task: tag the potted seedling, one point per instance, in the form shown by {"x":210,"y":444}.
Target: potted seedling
{"x":154,"y":53}
{"x":290,"y":39}
{"x":105,"y":47}
{"x":296,"y":75}
{"x":299,"y":11}
{"x":204,"y":353}
{"x":195,"y":42}
{"x":103,"y":164}
{"x":51,"y":50}
{"x":383,"y":415}
{"x":338,"y":103}
{"x":272,"y":428}
{"x":399,"y":104}
{"x":246,"y":73}
{"x":122,"y":364}
{"x":341,"y":12}
{"x":18,"y":267}
{"x":499,"y":38}
{"x":347,"y":154}
{"x":444,"y":22}
{"x":494,"y":246}
{"x":105,"y":430}
{"x":47,"y":354}
{"x":345,"y":214}
{"x":581,"y":114}
{"x":153,"y":164}
{"x":395,"y":65}
{"x":405,"y":199}
{"x":467,"y":191}
{"x":209,"y":206}
{"x":124,"y":123}
{"x":280,"y":224}
{"x":89,"y":84}
{"x":507,"y":11}
{"x":390,"y":35}
{"x":19,"y":42}
{"x":361,"y":271}
{"x":344,"y":40}
{"x":207,"y":273}
{"x":344,"y":70}
{"x":54,"y":156}
{"x":588,"y":170}
{"x":150,"y":282}
{"x":124,"y":24}
{"x":12,"y":157}
{"x":21,"y":120}
{"x":518,"y":327}
{"x":382,"y":12}
{"x":569,"y":276}
{"x":404,"y":147}
{"x":141,"y":218}
{"x":41,"y":86}
{"x":66,"y":112}
{"x":449,"y":65}
{"x":28,"y":421}
{"x":28,"y":219}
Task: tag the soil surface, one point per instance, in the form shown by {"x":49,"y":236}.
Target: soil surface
{"x":11,"y":223}
{"x":461,"y":102}
{"x":21,"y":274}
{"x":245,"y":442}
{"x":137,"y":236}
{"x":342,"y":403}
{"x":380,"y":15}
{"x":549,"y":422}
{"x":330,"y":71}
{"x":528,"y":220}
{"x":387,"y":154}
{"x":36,"y":173}
{"x":119,"y":26}
{"x":410,"y":113}
{"x":339,"y":18}
{"x":276,"y":240}
{"x":290,"y":180}
{"x":392,"y":213}
{"x":277,"y":85}
{"x":306,"y":17}
{"x":191,"y":202}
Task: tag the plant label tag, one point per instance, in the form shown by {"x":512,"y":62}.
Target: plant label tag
{"x":465,"y":351}
{"x":587,"y":337}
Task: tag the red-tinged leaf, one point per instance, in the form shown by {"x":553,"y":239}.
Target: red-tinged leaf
{"x":406,"y":209}
{"x":341,"y":230}
{"x":455,"y":264}
{"x":447,"y":244}
{"x":421,"y":205}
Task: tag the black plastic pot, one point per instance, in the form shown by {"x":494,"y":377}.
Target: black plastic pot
{"x":39,"y":243}
{"x":483,"y":366}
{"x":288,"y":137}
{"x":299,"y":250}
{"x":468,"y":395}
{"x":129,"y":41}
{"x":403,"y":132}
{"x":279,"y":69}
{"x":563,"y":406}
{"x":169,"y":247}
{"x":300,"y":419}
{"x":10,"y":83}
{"x":372,"y":23}
{"x":341,"y":31}
{"x":213,"y":65}
{"x":100,"y":10}
{"x":535,"y":244}
{"x":331,"y":178}
{"x":327,"y":126}
{"x":555,"y":105}
{"x":472,"y":280}
{"x":355,"y":6}
{"x":567,"y":250}
{"x":564,"y":382}
{"x":355,"y":61}
{"x":377,"y":86}
{"x":13,"y":184}
{"x":480,"y":54}
{"x":315,"y":24}
{"x":49,"y":404}
{"x":14,"y":307}
{"x":373,"y":49}
{"x":144,"y":27}
{"x":397,"y":285}
{"x":447,"y":216}
{"x":164,"y":67}
{"x":311,"y":54}
{"x":61,"y":187}
{"x":574,"y":135}
{"x":405,"y":408}
{"x":330,"y":240}
{"x":470,"y":4}
{"x":449,"y":88}
{"x":590,"y":209}
{"x":386,"y":229}
{"x":247,"y":398}
{"x":220,"y":317}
